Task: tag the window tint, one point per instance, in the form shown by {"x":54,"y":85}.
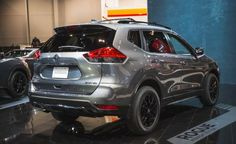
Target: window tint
{"x":134,"y":37}
{"x":156,"y":42}
{"x":79,"y":38}
{"x":178,"y":45}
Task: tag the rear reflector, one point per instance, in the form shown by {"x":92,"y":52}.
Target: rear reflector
{"x":108,"y":107}
{"x":106,"y":55}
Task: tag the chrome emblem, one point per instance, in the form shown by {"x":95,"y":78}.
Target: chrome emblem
{"x":56,"y":58}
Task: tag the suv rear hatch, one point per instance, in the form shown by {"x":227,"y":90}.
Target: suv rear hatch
{"x":63,"y":68}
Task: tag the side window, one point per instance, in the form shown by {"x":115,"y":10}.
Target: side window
{"x":178,"y":45}
{"x":134,"y":37}
{"x":156,"y":42}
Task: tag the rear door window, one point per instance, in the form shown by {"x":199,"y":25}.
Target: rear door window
{"x":156,"y":42}
{"x":79,"y":38}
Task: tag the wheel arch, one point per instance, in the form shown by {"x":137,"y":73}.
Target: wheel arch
{"x":215,"y":72}
{"x":152,"y":82}
{"x":21,"y":69}
{"x":211,"y":71}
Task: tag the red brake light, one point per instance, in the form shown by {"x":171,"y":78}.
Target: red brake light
{"x":37,"y":54}
{"x":108,"y":107}
{"x":107,"y":54}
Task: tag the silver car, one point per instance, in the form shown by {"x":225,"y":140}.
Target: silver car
{"x":120,"y":67}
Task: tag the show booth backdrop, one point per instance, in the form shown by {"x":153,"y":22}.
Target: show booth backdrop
{"x":203,"y":23}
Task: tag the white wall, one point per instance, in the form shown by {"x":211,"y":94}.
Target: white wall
{"x":78,"y":11}
{"x":44,"y":15}
{"x":13,"y":27}
{"x":41,"y":19}
{"x":133,"y":3}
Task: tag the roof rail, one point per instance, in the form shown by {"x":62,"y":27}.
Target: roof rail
{"x":130,"y":21}
{"x":118,"y":20}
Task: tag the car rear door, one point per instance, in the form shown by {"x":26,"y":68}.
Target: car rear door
{"x":63,"y":68}
{"x":192,"y":68}
{"x":167,"y":66}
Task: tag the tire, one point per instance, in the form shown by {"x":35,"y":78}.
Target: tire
{"x":18,"y":84}
{"x":144,"y":112}
{"x":64,"y":117}
{"x":211,"y":90}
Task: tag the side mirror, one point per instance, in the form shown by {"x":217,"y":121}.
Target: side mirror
{"x":199,"y":51}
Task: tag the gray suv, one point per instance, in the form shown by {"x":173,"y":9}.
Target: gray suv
{"x":120,"y":67}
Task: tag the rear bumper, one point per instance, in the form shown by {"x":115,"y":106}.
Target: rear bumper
{"x":84,"y":105}
{"x":82,"y":108}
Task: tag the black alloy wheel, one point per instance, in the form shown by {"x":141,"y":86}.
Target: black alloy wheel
{"x":18,"y":84}
{"x":144,"y":112}
{"x":211,"y":90}
{"x":148,"y":110}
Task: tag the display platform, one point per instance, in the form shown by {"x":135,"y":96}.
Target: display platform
{"x":183,"y":123}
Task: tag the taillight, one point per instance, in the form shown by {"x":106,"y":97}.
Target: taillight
{"x":37,"y":54}
{"x":106,"y":55}
{"x":108,"y":107}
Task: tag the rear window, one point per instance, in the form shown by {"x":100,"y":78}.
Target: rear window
{"x":79,"y":38}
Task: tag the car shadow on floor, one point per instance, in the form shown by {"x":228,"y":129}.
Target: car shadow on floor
{"x":174,"y":119}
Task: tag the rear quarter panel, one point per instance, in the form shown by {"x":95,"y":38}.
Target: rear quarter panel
{"x":125,"y":78}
